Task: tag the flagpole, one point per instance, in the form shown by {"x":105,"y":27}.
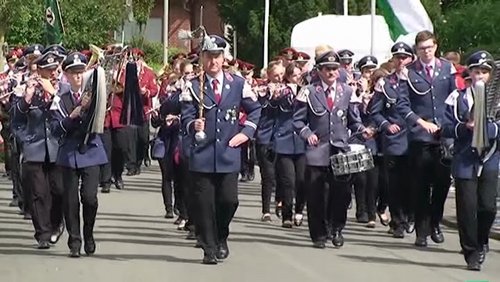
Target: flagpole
{"x":165,"y":31}
{"x":266,"y":32}
{"x":372,"y":41}
{"x":60,"y":16}
{"x":346,"y":7}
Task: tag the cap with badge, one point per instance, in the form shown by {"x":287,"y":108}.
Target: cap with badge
{"x":288,"y":53}
{"x":401,"y":48}
{"x":35,"y":49}
{"x":367,"y":62}
{"x":346,"y":56}
{"x":21,"y":64}
{"x":329,"y":58}
{"x":301,"y":57}
{"x":481,"y":59}
{"x":214,"y":44}
{"x":48,"y":60}
{"x":55,"y":48}
{"x":75,"y":61}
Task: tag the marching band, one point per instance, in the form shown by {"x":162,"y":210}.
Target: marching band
{"x":393,"y":133}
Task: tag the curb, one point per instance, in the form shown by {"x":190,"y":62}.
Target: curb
{"x":451,"y":222}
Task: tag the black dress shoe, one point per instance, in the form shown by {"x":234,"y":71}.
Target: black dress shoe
{"x":74,"y":253}
{"x":398,"y":233}
{"x":209,"y":259}
{"x":223,"y":251}
{"x":362,"y":218}
{"x":319,"y":245}
{"x":43,"y":245}
{"x":287,"y":224}
{"x":169,"y":214}
{"x":57,"y":234}
{"x":474,"y":266}
{"x":119,"y":184}
{"x":437,"y":236}
{"x":482,"y":256}
{"x":14,"y":203}
{"x":106,"y":188}
{"x":89,"y":246}
{"x":410,"y":227}
{"x":191,"y":235}
{"x":147,"y":162}
{"x":338,"y":239}
{"x":251,"y":176}
{"x":421,"y":242}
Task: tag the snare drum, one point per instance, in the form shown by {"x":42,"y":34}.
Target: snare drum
{"x":358,"y":159}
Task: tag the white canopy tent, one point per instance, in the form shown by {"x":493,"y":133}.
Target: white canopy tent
{"x":343,"y":32}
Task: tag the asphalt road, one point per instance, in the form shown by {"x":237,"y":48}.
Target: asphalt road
{"x":136,"y":244}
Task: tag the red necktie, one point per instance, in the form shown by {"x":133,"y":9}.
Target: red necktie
{"x":76,"y":95}
{"x":215,"y":84}
{"x":329,"y":98}
{"x":429,"y":72}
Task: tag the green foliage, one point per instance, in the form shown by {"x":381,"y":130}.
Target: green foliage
{"x":471,"y":25}
{"x":153,"y":50}
{"x":249,"y":25}
{"x":89,"y":21}
{"x":142,"y":10}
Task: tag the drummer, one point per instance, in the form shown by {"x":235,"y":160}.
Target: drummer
{"x":321,"y":112}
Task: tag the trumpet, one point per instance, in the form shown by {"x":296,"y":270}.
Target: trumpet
{"x":273,"y":88}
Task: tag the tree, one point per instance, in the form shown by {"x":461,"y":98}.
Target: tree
{"x":470,"y":26}
{"x":89,"y":21}
{"x":142,"y":10}
{"x":249,"y":24}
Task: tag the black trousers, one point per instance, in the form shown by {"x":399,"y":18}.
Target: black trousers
{"x":429,"y":171}
{"x":15,"y":173}
{"x":365,"y":190}
{"x":476,"y":211}
{"x":318,"y":180}
{"x":383,"y":185}
{"x":171,"y":182}
{"x":291,"y":176}
{"x":88,"y":195}
{"x":266,"y":159}
{"x":247,"y":158}
{"x":45,"y":180}
{"x":216,"y":200}
{"x":116,"y":146}
{"x":400,"y":191}
{"x":187,"y":185}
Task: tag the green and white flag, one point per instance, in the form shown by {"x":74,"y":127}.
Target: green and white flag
{"x":54,"y":28}
{"x":404,"y":17}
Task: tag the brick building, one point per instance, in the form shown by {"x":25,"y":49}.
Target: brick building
{"x":183,"y":14}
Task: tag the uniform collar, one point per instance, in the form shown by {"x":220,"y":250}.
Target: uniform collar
{"x":325,"y":86}
{"x":219,"y":77}
{"x":432,"y":64}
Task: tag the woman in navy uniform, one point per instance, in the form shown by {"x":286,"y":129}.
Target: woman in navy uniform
{"x":321,"y":118}
{"x":365,"y":183}
{"x":474,"y":165}
{"x":394,"y":133}
{"x":290,"y":149}
{"x":214,"y":161}
{"x":68,"y":114}
{"x":39,"y":148}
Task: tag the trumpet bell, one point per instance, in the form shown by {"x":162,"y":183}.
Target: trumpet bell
{"x":97,"y":55}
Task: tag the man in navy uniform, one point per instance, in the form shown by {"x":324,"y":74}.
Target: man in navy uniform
{"x":322,"y":117}
{"x":475,"y":161}
{"x":394,"y":134}
{"x":214,"y":161}
{"x":68,"y":114}
{"x":430,"y":80}
{"x":39,"y":148}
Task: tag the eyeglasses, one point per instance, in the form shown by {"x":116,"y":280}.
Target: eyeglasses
{"x":424,"y":48}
